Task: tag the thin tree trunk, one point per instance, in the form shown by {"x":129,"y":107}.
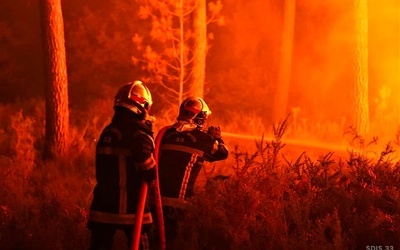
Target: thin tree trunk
{"x":57,"y":113}
{"x":200,"y":48}
{"x":181,"y":53}
{"x":397,"y":56}
{"x":284,"y":75}
{"x":361,"y":105}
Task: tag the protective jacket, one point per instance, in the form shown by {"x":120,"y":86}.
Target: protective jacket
{"x":124,"y":158}
{"x":182,"y":155}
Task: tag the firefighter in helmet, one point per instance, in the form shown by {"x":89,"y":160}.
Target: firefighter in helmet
{"x":124,"y":158}
{"x":183,"y":149}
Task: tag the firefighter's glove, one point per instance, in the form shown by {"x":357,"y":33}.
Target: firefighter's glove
{"x":215,"y":132}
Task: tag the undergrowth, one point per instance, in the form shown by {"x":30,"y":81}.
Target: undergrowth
{"x":268,"y":201}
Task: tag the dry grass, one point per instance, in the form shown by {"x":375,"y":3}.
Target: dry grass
{"x":269,"y":200}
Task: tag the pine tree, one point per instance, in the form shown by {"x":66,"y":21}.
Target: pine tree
{"x":57,"y":113}
{"x":284,"y":75}
{"x":200,"y":48}
{"x":360,"y":99}
{"x":174,"y":53}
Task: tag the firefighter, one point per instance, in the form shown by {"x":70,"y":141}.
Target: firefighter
{"x":124,"y":158}
{"x":183,"y":149}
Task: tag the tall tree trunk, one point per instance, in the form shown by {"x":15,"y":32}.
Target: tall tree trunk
{"x":57,"y":113}
{"x":285,"y":65}
{"x":360,"y":100}
{"x":397,"y":56}
{"x":200,"y":48}
{"x":181,"y":52}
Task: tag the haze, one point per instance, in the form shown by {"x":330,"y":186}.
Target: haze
{"x":243,"y":61}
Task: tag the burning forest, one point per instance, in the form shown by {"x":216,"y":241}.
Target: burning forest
{"x":300,"y":99}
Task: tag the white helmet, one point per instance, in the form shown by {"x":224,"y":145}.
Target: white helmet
{"x":134,"y":96}
{"x":195,"y":110}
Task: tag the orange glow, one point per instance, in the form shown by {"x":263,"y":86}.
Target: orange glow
{"x":321,"y":68}
{"x":321,"y":77}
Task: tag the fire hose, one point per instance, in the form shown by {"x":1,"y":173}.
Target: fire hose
{"x":157,"y":202}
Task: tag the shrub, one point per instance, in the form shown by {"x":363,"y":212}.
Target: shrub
{"x":257,"y":200}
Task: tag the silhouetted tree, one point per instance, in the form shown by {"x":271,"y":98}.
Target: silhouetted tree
{"x":175,"y":54}
{"x":165,"y":53}
{"x":57,"y":113}
{"x":360,"y":100}
{"x":285,"y":65}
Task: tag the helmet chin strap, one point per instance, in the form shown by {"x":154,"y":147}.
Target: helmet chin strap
{"x":144,"y":114}
{"x":140,"y":110}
